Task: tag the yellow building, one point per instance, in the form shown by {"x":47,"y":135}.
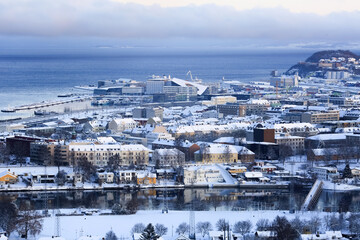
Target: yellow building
{"x":146,"y":178}
{"x":236,"y":170}
{"x":7,"y":177}
{"x":221,"y":153}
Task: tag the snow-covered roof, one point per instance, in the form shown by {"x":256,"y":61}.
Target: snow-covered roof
{"x":229,"y":140}
{"x":105,"y":147}
{"x":253,"y":174}
{"x":163,"y":152}
{"x":323,"y":137}
{"x":106,"y":140}
{"x":48,"y":238}
{"x":4,"y":173}
{"x":124,"y":120}
{"x":322,"y":236}
{"x":200,"y":88}
{"x":36,"y":170}
{"x":259,"y":101}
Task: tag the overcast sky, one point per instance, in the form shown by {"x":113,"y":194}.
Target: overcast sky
{"x":305,"y":23}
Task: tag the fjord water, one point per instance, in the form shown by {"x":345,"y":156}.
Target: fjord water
{"x":28,"y":76}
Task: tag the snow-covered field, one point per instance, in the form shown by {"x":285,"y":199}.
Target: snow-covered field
{"x":73,"y":227}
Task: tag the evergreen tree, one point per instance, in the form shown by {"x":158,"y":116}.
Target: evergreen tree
{"x":347,"y":172}
{"x":149,"y":233}
{"x":110,"y":236}
{"x":283,"y":229}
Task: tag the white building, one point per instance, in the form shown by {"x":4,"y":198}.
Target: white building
{"x":325,"y":173}
{"x":121,"y":124}
{"x":202,"y":175}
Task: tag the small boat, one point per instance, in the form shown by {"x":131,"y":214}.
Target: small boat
{"x":8,"y":110}
{"x":41,"y":112}
{"x":65,"y":95}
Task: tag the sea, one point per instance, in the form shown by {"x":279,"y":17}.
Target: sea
{"x":35,"y":75}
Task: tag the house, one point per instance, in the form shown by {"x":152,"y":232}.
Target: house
{"x":269,"y":235}
{"x":168,"y":157}
{"x":121,"y":124}
{"x":182,"y":237}
{"x":355,"y":172}
{"x":186,"y":147}
{"x":94,"y":126}
{"x":265,"y":168}
{"x":7,"y":177}
{"x":127,"y":176}
{"x":146,"y":178}
{"x":336,"y":235}
{"x":326,"y":173}
{"x":255,"y":177}
{"x":107,"y":177}
{"x":202,"y":175}
{"x":236,"y":170}
{"x":219,"y":235}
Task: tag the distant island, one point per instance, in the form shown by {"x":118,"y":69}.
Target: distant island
{"x":321,"y":62}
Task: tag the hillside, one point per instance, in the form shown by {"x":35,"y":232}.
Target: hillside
{"x":310,"y":65}
{"x":329,"y":54}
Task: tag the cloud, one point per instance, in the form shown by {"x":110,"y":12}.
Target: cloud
{"x":320,"y":7}
{"x":112,"y":19}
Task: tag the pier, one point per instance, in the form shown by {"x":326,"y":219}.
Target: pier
{"x":45,"y":104}
{"x":313,"y":196}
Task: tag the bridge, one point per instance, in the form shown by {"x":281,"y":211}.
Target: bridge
{"x":313,"y":196}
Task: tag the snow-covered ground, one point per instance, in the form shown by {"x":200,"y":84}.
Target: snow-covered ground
{"x":73,"y":227}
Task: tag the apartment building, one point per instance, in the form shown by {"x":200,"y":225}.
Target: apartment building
{"x":233,"y":109}
{"x":97,"y":154}
{"x":320,"y":117}
{"x":296,"y":143}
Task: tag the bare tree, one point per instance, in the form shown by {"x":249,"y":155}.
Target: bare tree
{"x":242,"y":227}
{"x":263,"y":224}
{"x":214,"y":200}
{"x":283,"y":229}
{"x":4,"y":154}
{"x":8,"y":215}
{"x":141,"y":160}
{"x":160,"y":229}
{"x":114,"y":162}
{"x":298,"y":224}
{"x":182,"y":228}
{"x":354,"y":223}
{"x":285,"y":151}
{"x":314,"y":224}
{"x":138,"y":228}
{"x":227,"y":154}
{"x":178,"y":144}
{"x":86,"y":168}
{"x":29,"y":222}
{"x":204,"y":152}
{"x":204,"y":228}
{"x":61,"y":178}
{"x":57,"y":156}
{"x":328,"y":154}
{"x":222,"y":225}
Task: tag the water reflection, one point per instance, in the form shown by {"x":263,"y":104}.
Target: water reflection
{"x":200,"y":199}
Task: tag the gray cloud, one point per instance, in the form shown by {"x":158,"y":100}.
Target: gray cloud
{"x":108,"y":19}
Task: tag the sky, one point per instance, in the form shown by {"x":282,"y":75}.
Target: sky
{"x":175,"y":23}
